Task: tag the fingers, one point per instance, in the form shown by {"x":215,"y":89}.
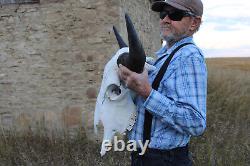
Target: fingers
{"x":124,"y":72}
{"x":126,"y":75}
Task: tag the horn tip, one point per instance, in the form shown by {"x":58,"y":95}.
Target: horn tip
{"x":114,"y":28}
{"x":127,"y":16}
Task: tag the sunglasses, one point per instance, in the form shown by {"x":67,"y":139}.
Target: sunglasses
{"x":176,"y":15}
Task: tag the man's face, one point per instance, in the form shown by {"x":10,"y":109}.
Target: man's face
{"x":172,"y":31}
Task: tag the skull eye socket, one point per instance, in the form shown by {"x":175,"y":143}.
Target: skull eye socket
{"x":115,"y":92}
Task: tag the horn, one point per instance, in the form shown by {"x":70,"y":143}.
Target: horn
{"x":137,"y":55}
{"x":119,"y":39}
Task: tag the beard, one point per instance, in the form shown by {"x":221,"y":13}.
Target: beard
{"x":172,"y":38}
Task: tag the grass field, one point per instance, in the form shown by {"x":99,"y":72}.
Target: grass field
{"x":47,"y":150}
{"x":226,"y":141}
{"x":230,"y":63}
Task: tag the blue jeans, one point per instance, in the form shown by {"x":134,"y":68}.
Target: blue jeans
{"x":155,"y":157}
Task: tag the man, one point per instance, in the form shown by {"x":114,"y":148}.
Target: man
{"x":178,"y":106}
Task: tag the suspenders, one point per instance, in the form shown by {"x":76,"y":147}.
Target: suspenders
{"x":148,"y":116}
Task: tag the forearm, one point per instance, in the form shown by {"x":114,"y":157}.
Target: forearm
{"x":183,"y":117}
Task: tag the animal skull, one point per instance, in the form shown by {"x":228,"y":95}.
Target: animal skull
{"x":114,"y":106}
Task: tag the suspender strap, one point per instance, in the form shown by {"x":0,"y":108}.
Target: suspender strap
{"x":148,"y":116}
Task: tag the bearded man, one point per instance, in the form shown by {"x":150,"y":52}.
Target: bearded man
{"x":171,"y":100}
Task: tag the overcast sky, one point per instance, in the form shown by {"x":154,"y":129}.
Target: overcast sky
{"x":225,"y":30}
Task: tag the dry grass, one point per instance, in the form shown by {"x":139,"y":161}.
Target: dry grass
{"x":230,"y":63}
{"x":40,"y":149}
{"x":226,"y":141}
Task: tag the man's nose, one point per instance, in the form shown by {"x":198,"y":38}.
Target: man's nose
{"x":166,"y":19}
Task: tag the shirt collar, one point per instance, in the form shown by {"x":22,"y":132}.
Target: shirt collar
{"x":164,"y":50}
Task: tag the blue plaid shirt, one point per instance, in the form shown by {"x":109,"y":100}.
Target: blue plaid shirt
{"x":179,"y":105}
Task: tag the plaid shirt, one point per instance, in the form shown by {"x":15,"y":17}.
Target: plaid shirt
{"x":179,"y":105}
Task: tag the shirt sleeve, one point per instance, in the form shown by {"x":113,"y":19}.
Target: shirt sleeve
{"x":186,"y":113}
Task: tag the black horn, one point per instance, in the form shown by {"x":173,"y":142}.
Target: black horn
{"x":137,"y":55}
{"x":119,"y":39}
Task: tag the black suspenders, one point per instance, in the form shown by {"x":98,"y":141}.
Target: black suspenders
{"x":148,"y":116}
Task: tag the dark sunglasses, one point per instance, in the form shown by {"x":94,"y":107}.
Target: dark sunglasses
{"x":176,"y":15}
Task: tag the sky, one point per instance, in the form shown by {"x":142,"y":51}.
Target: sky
{"x":225,"y":30}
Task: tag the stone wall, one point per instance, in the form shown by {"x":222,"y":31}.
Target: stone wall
{"x":52,"y":57}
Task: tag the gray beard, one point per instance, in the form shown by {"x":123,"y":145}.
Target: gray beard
{"x":172,"y":39}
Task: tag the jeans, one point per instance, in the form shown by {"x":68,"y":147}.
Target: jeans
{"x":155,"y":157}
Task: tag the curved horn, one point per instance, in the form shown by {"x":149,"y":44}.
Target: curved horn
{"x":119,"y":39}
{"x":137,"y":55}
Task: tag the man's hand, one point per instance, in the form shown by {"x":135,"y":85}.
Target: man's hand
{"x":137,"y":82}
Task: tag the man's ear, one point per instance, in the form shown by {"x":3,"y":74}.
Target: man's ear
{"x":196,"y":21}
